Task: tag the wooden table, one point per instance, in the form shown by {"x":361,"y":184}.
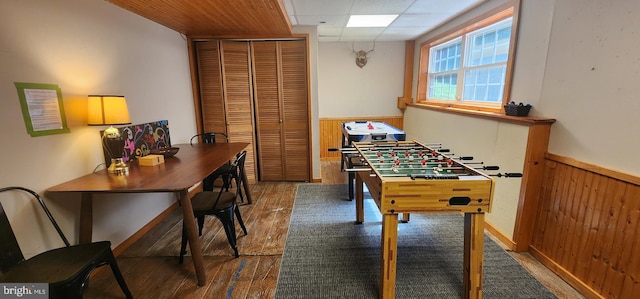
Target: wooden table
{"x":470,"y":193}
{"x":177,"y":174}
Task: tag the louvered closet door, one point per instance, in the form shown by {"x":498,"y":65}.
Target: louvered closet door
{"x":210,"y":77}
{"x":268,"y":110}
{"x":296,"y":109}
{"x":282,"y":117}
{"x":238,"y":98}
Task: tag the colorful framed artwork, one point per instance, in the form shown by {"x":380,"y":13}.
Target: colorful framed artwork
{"x":140,"y":139}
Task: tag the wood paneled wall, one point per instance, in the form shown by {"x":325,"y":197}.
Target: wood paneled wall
{"x":331,"y":132}
{"x":587,"y":227}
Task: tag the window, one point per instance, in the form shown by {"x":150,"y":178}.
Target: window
{"x":443,"y":74}
{"x":471,"y":67}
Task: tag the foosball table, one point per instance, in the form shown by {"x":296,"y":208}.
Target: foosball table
{"x":410,"y":177}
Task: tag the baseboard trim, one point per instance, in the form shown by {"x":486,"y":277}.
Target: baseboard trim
{"x":576,"y":283}
{"x":500,"y":236}
{"x":145,"y":229}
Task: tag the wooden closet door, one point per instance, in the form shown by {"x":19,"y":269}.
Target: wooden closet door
{"x":238,"y":98}
{"x":268,"y":110}
{"x":295,"y":100}
{"x":282,"y":109}
{"x":210,"y":79}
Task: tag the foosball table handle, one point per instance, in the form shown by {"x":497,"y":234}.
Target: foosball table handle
{"x":491,"y":168}
{"x":508,"y":175}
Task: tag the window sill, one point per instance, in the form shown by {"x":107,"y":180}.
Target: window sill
{"x":521,"y":120}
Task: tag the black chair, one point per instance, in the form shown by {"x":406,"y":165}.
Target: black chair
{"x":210,"y":137}
{"x":223,"y":171}
{"x":65,"y":269}
{"x":221,"y":204}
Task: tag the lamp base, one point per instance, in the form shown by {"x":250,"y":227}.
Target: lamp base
{"x":118,"y":167}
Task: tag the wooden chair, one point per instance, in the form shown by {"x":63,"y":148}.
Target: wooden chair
{"x":65,"y":269}
{"x":221,"y":204}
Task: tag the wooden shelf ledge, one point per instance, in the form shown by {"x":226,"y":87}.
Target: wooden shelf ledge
{"x":522,"y":120}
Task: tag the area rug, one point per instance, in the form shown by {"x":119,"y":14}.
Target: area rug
{"x":327,"y":255}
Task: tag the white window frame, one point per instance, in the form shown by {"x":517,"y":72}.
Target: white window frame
{"x":475,"y":26}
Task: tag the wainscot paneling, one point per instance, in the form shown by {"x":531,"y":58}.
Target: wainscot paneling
{"x":331,"y":132}
{"x":587,"y":227}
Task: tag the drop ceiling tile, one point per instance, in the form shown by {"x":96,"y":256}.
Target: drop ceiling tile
{"x":441,"y":6}
{"x":293,"y":20}
{"x":419,"y":20}
{"x":288,"y":6}
{"x":324,"y":7}
{"x":329,"y":31}
{"x":393,"y":38}
{"x":406,"y":31}
{"x":416,"y":17}
{"x":369,"y":31}
{"x":377,"y":7}
{"x":328,"y":38}
{"x":335,"y":20}
{"x":356,"y":38}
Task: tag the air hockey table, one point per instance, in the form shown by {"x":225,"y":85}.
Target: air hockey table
{"x":365,"y":131}
{"x":370,"y":131}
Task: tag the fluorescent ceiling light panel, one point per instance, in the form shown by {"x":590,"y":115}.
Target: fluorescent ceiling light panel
{"x":370,"y":20}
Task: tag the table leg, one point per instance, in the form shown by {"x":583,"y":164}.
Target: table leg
{"x":473,"y":251}
{"x":86,"y":218}
{"x":405,"y":217}
{"x":351,"y":179}
{"x":192,"y":235}
{"x":389,"y":254}
{"x":359,"y":199}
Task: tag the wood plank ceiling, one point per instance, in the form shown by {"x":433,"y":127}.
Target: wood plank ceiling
{"x":195,"y":18}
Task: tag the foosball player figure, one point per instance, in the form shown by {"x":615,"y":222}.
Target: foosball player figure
{"x":396,"y":165}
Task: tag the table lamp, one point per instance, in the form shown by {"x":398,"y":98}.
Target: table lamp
{"x":110,"y":110}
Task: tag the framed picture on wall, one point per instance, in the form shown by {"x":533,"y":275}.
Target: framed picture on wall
{"x":42,"y":108}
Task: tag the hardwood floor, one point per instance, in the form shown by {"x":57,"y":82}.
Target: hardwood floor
{"x":150,"y":266}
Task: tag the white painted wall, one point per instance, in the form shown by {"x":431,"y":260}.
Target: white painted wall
{"x":86,"y":47}
{"x":345,"y":90}
{"x":591,"y":82}
{"x":493,"y":142}
{"x":575,"y":62}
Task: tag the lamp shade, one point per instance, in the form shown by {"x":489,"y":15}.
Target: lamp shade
{"x":107,"y":110}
